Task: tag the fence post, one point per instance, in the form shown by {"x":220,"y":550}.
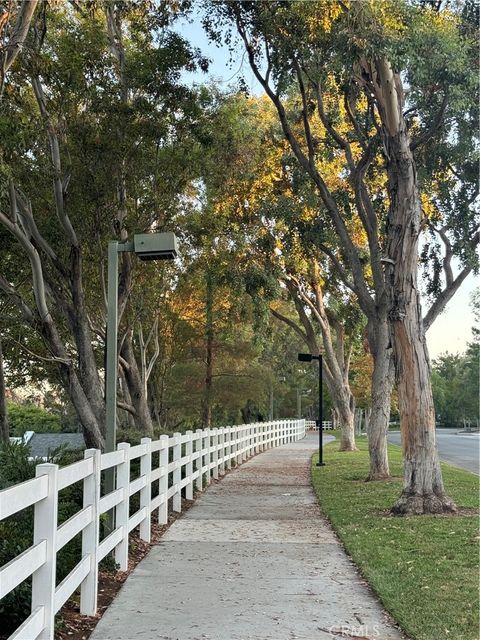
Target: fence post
{"x":122,"y":509}
{"x":221,"y":436}
{"x":228,"y":447}
{"x":239,"y":444}
{"x":199,"y":448}
{"x":215,"y":453}
{"x":90,"y":535}
{"x":177,"y":472}
{"x":245,"y":444}
{"x":45,"y":528}
{"x":146,"y":492}
{"x":163,"y":481}
{"x":189,"y":466}
{"x":208,"y":433}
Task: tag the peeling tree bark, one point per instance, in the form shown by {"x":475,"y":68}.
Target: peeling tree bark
{"x":423,"y":490}
{"x":383,"y":91}
{"x":4,"y":431}
{"x":143,"y":418}
{"x":382,"y":384}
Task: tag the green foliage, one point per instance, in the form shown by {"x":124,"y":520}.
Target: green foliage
{"x":455,"y":387}
{"x":424,"y":569}
{"x":16,"y":532}
{"x":29,"y":417}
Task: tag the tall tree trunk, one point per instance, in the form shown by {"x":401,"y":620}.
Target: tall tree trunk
{"x":4,"y":432}
{"x":209,"y":334}
{"x":129,"y":419}
{"x":423,"y":490}
{"x":345,"y":406}
{"x":382,"y":384}
{"x":143,"y":418}
{"x":90,"y":424}
{"x":78,"y":319}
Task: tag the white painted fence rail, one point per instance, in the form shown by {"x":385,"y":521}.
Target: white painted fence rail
{"x":312,"y":425}
{"x":185,"y":460}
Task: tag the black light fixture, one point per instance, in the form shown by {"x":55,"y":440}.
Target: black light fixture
{"x":308,"y":357}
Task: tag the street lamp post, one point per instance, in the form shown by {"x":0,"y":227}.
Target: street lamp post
{"x":147,"y":246}
{"x":308,"y":357}
{"x":299,"y":404}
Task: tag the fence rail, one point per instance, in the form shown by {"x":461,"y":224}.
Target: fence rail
{"x":313,"y":425}
{"x":184,"y":461}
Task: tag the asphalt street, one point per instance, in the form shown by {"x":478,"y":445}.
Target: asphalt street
{"x":461,"y":450}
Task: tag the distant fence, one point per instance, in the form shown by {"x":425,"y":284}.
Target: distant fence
{"x":312,"y":425}
{"x":208,"y":453}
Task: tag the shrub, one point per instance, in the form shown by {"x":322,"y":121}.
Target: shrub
{"x":16,"y":532}
{"x":29,"y":417}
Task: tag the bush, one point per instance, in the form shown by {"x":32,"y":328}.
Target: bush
{"x":16,"y":532}
{"x":29,"y":417}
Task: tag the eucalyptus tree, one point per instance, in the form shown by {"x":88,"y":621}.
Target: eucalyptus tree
{"x":256,"y":207}
{"x":378,"y":85}
{"x":14,"y":25}
{"x":95,"y":116}
{"x":329,"y":323}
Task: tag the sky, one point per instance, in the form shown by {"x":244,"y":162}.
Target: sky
{"x":452,"y":330}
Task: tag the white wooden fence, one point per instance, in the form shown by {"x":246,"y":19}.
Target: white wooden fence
{"x":207,"y":453}
{"x":312,"y":425}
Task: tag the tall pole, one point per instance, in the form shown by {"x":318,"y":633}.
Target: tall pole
{"x":271,"y":402}
{"x":320,"y":462}
{"x":299,"y":404}
{"x":111,"y":368}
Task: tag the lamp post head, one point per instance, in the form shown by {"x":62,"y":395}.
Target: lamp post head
{"x":155,"y":246}
{"x":305,"y":357}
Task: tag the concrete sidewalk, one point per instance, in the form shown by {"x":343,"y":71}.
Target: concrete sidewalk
{"x":253,"y":559}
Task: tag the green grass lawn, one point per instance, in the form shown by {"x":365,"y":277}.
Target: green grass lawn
{"x":424,"y":569}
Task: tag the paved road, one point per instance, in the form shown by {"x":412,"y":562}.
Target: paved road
{"x":253,"y":559}
{"x":461,"y":450}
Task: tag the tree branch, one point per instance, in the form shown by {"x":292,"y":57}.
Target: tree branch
{"x":35,"y":262}
{"x":433,"y":128}
{"x":452,"y":283}
{"x":348,"y":246}
{"x":17,"y":39}
{"x":19,"y":302}
{"x":293,"y":325}
{"x":59,"y":185}
{"x":126,"y":407}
